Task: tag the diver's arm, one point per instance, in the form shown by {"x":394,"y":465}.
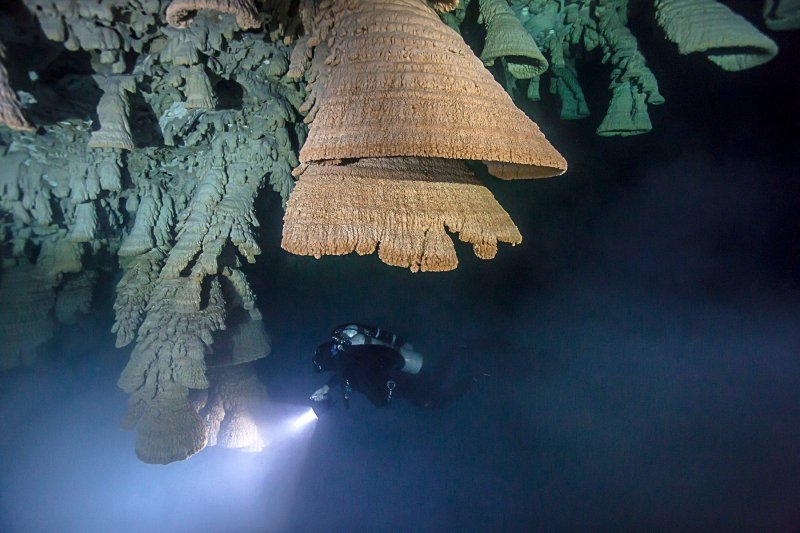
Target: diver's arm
{"x":320,"y":393}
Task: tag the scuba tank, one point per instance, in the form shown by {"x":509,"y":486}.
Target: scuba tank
{"x":356,"y":334}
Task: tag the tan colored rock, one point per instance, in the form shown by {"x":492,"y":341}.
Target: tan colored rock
{"x":181,"y":12}
{"x":234,"y":397}
{"x":711,"y":28}
{"x":167,"y":361}
{"x":168,"y":429}
{"x":133,"y":293}
{"x":405,"y":205}
{"x":444,"y":6}
{"x":10,"y":109}
{"x":402,"y":83}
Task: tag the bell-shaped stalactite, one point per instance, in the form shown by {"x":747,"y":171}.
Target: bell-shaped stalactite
{"x":711,"y":28}
{"x":402,"y":83}
{"x":633,"y":85}
{"x":168,"y":428}
{"x":627,"y":113}
{"x":141,"y":239}
{"x":396,"y":99}
{"x":506,"y":38}
{"x":564,"y":83}
{"x":85,"y":226}
{"x":401,"y":206}
{"x":199,"y":93}
{"x":112,"y":111}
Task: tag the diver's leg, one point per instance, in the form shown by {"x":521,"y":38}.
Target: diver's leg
{"x":422,"y":389}
{"x":450,"y":380}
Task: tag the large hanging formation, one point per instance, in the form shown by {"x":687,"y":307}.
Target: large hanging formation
{"x":404,"y":100}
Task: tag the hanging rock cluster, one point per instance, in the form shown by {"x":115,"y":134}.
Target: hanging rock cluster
{"x":536,"y":39}
{"x":183,"y":290}
{"x":60,"y":217}
{"x":137,"y":137}
{"x":188,"y":131}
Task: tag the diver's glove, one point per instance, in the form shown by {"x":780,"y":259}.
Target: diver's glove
{"x":320,"y":394}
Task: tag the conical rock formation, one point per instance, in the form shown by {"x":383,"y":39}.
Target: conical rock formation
{"x":709,"y":27}
{"x":402,"y":83}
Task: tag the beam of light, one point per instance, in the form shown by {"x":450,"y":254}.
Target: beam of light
{"x":303,"y":420}
{"x":286,"y":422}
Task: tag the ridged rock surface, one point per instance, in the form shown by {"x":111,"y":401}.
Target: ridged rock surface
{"x":181,"y":12}
{"x":711,"y":28}
{"x":507,"y":38}
{"x":402,"y":83}
{"x":402,"y":204}
{"x":10,"y":110}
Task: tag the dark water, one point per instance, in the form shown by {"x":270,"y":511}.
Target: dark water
{"x":642,"y":347}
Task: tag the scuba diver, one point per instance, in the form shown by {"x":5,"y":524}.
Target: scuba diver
{"x":380,"y":365}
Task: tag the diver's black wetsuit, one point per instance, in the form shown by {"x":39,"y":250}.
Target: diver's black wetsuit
{"x":372,"y":369}
{"x":375,"y":367}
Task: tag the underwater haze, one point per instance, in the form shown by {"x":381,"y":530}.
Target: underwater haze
{"x":636,"y":358}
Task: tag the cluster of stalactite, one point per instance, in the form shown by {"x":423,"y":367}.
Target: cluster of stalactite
{"x":538,"y":40}
{"x":137,"y":136}
{"x":192,"y":122}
